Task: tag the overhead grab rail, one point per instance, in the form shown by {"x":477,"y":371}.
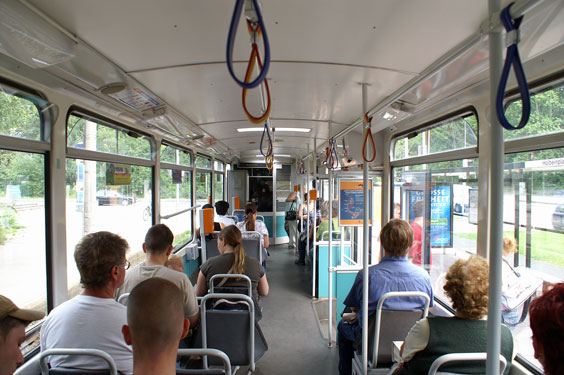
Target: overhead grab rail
{"x":368,"y":136}
{"x":512,"y":58}
{"x":255,"y":17}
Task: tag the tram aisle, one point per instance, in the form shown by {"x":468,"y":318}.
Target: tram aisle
{"x":289,"y":324}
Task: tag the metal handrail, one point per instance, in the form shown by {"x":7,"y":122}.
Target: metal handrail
{"x":180,"y":212}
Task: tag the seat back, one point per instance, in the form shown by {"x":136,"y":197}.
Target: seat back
{"x":209,"y":247}
{"x":252,"y":245}
{"x":462,"y":357}
{"x":392,"y":325}
{"x":225,"y":370}
{"x":232,"y":331}
{"x":260,"y":218}
{"x":235,"y":218}
{"x":123,"y":299}
{"x":45,"y":370}
{"x":218,"y":279}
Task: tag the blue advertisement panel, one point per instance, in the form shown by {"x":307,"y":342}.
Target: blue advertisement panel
{"x":441,"y":216}
{"x":351,"y":202}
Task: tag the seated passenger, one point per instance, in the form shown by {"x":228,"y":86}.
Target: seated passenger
{"x":13,"y":321}
{"x":467,"y":283}
{"x":547,"y":323}
{"x":232,"y":260}
{"x":93,"y":319}
{"x":221,"y":208}
{"x":157,"y":247}
{"x":175,"y":262}
{"x":393,"y":274}
{"x":154,"y":329}
{"x":251,"y":224}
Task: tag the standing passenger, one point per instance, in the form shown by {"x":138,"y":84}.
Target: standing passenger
{"x":93,"y":319}
{"x":416,"y":251}
{"x":155,"y":328}
{"x":13,"y":321}
{"x":157,"y":247}
{"x":393,"y":274}
{"x":508,"y":277}
{"x":292,"y":203}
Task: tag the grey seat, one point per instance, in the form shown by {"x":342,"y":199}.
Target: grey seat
{"x":45,"y":370}
{"x":385,"y":327}
{"x":209,"y":247}
{"x":224,"y":370}
{"x":233,"y":331}
{"x":462,"y":357}
{"x":253,"y":246}
{"x":237,"y":288}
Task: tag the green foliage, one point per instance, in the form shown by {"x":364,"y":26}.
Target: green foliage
{"x":19,"y":117}
{"x":8,"y":223}
{"x":182,"y":238}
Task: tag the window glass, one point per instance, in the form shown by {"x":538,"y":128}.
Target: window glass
{"x":547,"y":114}
{"x":18,"y":117}
{"x":218,"y":166}
{"x":22,"y":229}
{"x":173,"y":155}
{"x":106,"y":196}
{"x":86,"y":133}
{"x":203,"y":187}
{"x":203,"y":162}
{"x":176,"y":195}
{"x":454,"y":134}
{"x":533,"y":214}
{"x":218,"y":187}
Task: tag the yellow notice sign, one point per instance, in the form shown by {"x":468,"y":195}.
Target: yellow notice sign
{"x":351,"y":202}
{"x":118,"y":174}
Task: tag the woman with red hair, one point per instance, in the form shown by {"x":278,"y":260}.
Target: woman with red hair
{"x":547,"y":323}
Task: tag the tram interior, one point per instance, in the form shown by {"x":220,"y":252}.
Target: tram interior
{"x":120,"y":115}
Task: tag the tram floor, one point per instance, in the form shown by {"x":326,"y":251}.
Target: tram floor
{"x":289,"y":323}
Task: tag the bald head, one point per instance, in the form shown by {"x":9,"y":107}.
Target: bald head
{"x":155,"y":316}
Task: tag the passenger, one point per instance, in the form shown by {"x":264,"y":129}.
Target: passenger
{"x":154,"y":329}
{"x":251,"y":224}
{"x":13,"y":321}
{"x":467,"y":283}
{"x":415,"y":252}
{"x":175,"y":262}
{"x":93,"y":319}
{"x":232,"y":260}
{"x":547,"y":323}
{"x":292,"y":203}
{"x":302,"y":243}
{"x":393,"y":274}
{"x":157,"y":247}
{"x":221,"y":208}
{"x":397,"y":211}
{"x":508,"y":277}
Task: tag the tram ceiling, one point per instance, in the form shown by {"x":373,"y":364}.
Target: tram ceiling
{"x":320,"y":53}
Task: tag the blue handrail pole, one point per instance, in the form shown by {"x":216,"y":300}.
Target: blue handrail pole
{"x":365,"y":285}
{"x":495,"y":219}
{"x":330,"y":320}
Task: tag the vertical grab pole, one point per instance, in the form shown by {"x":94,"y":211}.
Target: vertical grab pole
{"x":314,"y":228}
{"x":330,"y":293}
{"x":496,"y":198}
{"x":365,"y":247}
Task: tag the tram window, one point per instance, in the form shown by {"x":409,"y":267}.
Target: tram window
{"x":218,"y":166}
{"x":218,"y":187}
{"x":173,"y":155}
{"x":547,"y":114}
{"x":203,"y":187}
{"x":453,"y":134}
{"x":203,"y":162}
{"x":84,"y":132}
{"x":18,"y":117}
{"x":22,"y":229}
{"x":103,"y":196}
{"x":176,"y":195}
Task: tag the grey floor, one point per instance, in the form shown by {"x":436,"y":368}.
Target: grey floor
{"x":289,"y":324}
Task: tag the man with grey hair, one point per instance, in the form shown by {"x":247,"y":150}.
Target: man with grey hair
{"x":92,"y":319}
{"x":13,"y":321}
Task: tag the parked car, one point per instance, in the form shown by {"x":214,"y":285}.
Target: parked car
{"x":112,"y":197}
{"x":558,"y":217}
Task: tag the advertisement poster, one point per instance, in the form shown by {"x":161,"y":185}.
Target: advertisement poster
{"x":441,"y":216}
{"x":473,"y":205}
{"x":118,"y":174}
{"x":441,"y":213}
{"x":351,"y":202}
{"x":176,"y":176}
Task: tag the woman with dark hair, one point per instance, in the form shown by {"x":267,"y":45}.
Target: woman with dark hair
{"x":467,"y":283}
{"x":232,"y":259}
{"x":547,"y":323}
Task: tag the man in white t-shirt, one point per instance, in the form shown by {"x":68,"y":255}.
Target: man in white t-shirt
{"x":93,"y":319}
{"x":221,"y":208}
{"x":157,"y":248}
